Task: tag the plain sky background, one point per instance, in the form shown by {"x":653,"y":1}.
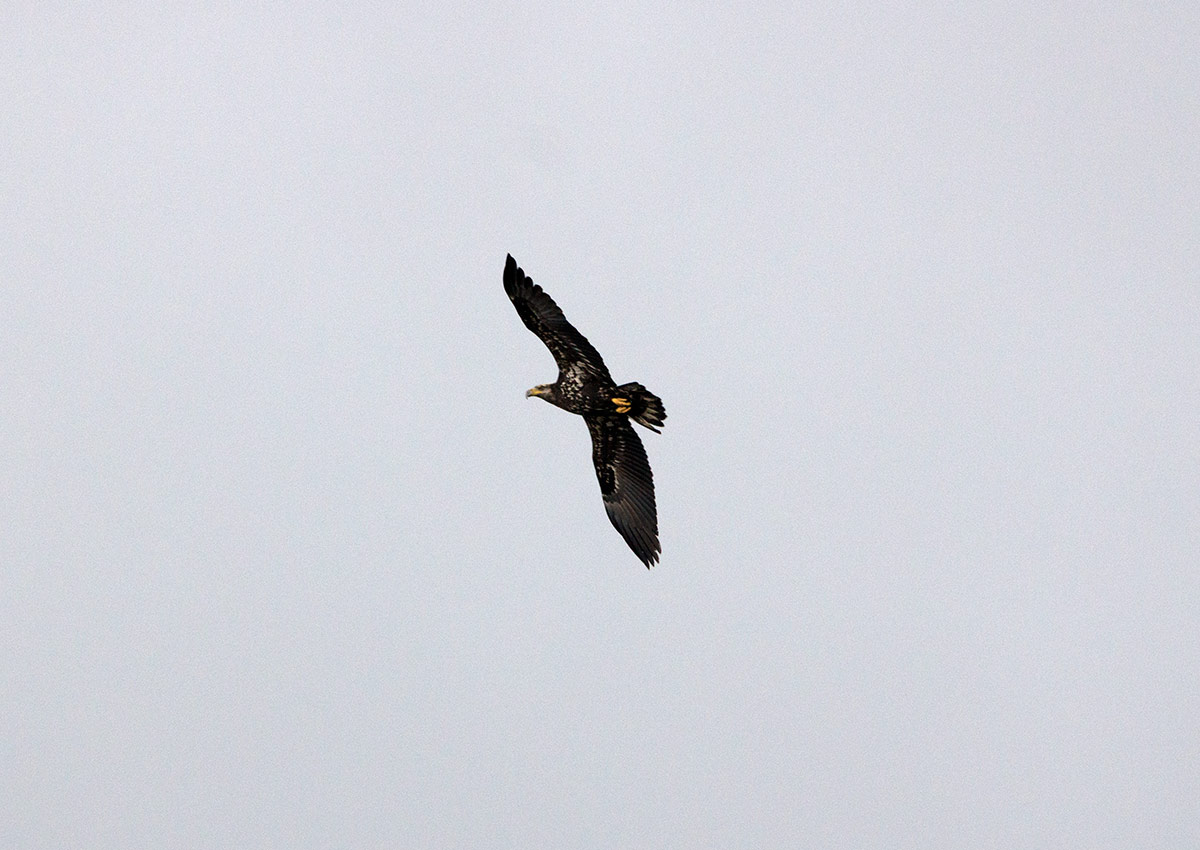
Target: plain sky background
{"x":289,"y":561}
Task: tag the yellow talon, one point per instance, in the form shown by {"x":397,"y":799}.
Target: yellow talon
{"x":620,"y":401}
{"x":624,"y":409}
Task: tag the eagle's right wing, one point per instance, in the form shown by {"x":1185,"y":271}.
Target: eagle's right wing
{"x":626,"y":483}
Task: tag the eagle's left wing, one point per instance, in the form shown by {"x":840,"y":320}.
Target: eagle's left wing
{"x":572,"y":352}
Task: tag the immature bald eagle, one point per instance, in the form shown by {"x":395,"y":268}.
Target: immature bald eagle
{"x":585,"y":387}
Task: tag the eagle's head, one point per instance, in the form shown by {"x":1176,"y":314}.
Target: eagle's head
{"x":549,"y":392}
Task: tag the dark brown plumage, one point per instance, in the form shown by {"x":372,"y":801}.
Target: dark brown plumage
{"x":584,"y":387}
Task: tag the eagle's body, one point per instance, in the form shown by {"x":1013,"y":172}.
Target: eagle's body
{"x":584,"y":387}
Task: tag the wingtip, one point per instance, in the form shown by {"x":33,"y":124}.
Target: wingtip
{"x":647,"y":549}
{"x":513,"y":277}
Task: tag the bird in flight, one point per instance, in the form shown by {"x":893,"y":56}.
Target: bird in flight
{"x":584,"y":387}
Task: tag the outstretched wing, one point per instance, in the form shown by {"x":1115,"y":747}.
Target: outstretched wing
{"x":572,"y":352}
{"x":626,"y":484}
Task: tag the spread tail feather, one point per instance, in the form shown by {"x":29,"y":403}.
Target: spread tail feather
{"x":646,"y":409}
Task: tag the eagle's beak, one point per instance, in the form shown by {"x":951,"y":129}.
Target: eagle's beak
{"x":534,"y":391}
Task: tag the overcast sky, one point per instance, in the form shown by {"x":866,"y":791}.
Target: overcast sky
{"x":287,"y":560}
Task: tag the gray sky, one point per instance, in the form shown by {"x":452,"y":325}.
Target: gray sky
{"x":289,"y":561}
